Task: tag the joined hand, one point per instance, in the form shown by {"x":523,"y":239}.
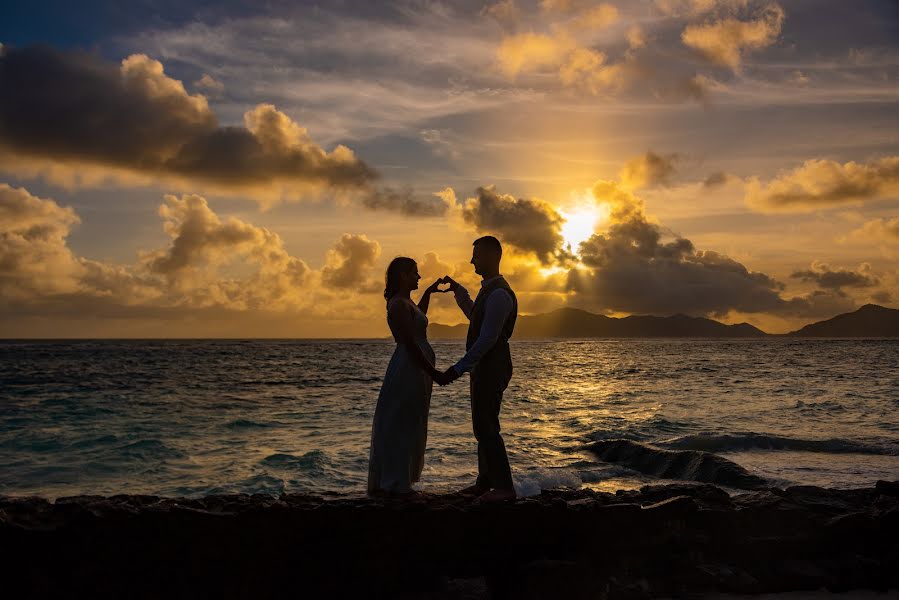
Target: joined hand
{"x":446,"y":377}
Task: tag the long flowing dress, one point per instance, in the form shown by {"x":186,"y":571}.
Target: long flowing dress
{"x":399,"y":432}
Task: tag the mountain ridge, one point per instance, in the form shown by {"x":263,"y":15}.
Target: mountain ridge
{"x":870,"y":320}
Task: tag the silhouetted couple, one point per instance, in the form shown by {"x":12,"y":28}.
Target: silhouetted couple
{"x":400,"y":428}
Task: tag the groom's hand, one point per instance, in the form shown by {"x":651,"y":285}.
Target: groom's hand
{"x":453,"y":284}
{"x":448,"y":376}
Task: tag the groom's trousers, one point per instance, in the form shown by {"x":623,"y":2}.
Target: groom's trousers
{"x":488,"y":382}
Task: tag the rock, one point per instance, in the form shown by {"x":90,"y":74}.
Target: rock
{"x":691,"y":465}
{"x":677,"y":540}
{"x":887,"y":488}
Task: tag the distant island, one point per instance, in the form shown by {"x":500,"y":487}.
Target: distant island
{"x":870,"y":320}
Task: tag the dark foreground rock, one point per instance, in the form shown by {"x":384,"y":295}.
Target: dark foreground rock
{"x":661,"y":541}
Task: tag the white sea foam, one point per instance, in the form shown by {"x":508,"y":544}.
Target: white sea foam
{"x":533,"y":481}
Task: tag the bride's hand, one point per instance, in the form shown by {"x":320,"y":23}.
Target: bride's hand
{"x":434,"y":287}
{"x":453,"y":284}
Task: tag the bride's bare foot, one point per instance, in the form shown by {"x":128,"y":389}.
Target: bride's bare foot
{"x":496,"y":496}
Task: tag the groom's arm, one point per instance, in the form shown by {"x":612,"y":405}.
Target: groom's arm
{"x":463,"y":299}
{"x":499,"y":305}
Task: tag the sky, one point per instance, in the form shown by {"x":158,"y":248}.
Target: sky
{"x":237,"y":169}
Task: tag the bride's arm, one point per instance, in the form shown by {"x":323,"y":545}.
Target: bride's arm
{"x":401,"y":316}
{"x":425,"y":300}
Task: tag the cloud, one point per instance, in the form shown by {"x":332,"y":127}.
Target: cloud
{"x":69,"y":111}
{"x":432,"y":267}
{"x":878,"y":229}
{"x":635,"y":37}
{"x":650,"y":169}
{"x":695,"y":8}
{"x":211,"y":267}
{"x":638,"y":266}
{"x":204,"y":250}
{"x":532,"y":51}
{"x":835,"y":279}
{"x":724,"y":42}
{"x":34,"y":258}
{"x":529,"y":224}
{"x":825,"y":183}
{"x":596,"y":17}
{"x":717,"y":179}
{"x":505,"y":12}
{"x":635,"y":267}
{"x":349,"y":262}
{"x":406,"y":202}
{"x":210,"y":86}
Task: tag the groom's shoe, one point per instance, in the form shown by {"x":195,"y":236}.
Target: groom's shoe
{"x":497,"y":496}
{"x":474,"y":490}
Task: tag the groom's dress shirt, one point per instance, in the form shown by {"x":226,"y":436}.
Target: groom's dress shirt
{"x":499,"y":305}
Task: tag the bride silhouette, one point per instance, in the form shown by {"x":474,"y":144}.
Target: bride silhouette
{"x":400,"y":428}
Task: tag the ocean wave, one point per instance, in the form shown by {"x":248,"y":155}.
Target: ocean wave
{"x":316,"y":460}
{"x":149,"y":450}
{"x":246,"y":424}
{"x":712,"y":442}
{"x":645,"y":430}
{"x":691,"y":465}
{"x":532,"y":482}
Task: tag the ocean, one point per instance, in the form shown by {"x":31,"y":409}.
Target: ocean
{"x":199,"y":417}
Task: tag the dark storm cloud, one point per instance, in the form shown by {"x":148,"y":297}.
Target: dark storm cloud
{"x":636,"y":267}
{"x":829,"y":278}
{"x":529,"y":224}
{"x":634,"y":270}
{"x":75,"y":109}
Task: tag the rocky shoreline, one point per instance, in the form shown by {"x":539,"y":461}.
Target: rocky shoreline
{"x":660,"y":541}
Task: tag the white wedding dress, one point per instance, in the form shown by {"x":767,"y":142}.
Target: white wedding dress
{"x":399,"y":432}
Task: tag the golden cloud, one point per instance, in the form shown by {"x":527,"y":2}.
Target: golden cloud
{"x":725,"y":41}
{"x":878,"y":229}
{"x":824,"y":183}
{"x":349,"y":262}
{"x":531,"y":51}
{"x":34,"y":258}
{"x":204,"y":249}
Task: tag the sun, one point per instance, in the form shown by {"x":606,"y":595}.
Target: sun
{"x":581,"y":223}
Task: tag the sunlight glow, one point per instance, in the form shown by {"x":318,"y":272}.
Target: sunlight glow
{"x":552,"y":270}
{"x":581,"y":223}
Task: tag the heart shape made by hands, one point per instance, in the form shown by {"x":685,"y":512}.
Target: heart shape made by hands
{"x":444,"y":290}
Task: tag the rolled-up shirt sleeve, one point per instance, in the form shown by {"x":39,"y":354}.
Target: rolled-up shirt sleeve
{"x":499,"y":305}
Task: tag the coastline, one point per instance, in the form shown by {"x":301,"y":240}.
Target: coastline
{"x":659,"y":541}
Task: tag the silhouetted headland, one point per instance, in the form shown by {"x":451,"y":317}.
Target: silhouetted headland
{"x":678,"y":540}
{"x":868,"y":321}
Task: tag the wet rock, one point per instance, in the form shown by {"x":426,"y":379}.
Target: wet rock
{"x":691,"y":465}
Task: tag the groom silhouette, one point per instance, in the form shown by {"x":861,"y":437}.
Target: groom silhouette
{"x":492,"y":318}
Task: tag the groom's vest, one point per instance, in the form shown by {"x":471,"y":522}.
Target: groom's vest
{"x":499,"y":355}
